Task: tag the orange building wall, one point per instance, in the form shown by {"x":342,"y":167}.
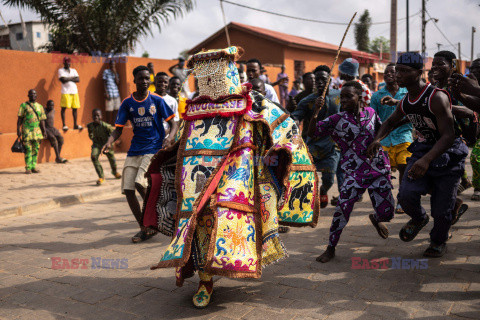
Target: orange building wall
{"x":23,"y":70}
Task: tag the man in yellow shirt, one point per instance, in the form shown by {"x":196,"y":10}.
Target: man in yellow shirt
{"x":151,"y":88}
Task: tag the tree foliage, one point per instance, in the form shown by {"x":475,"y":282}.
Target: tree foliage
{"x":109,"y":26}
{"x":362,"y":27}
{"x":375,"y":45}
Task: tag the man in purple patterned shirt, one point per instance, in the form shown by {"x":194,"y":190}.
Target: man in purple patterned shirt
{"x":353,"y":130}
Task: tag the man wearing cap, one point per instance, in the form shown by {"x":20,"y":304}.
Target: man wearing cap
{"x":179,"y":71}
{"x":438,"y":158}
{"x":348,"y":72}
{"x":69,"y":100}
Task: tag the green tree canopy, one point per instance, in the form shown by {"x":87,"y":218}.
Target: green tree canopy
{"x":361,"y":31}
{"x":109,"y":26}
{"x":375,"y":45}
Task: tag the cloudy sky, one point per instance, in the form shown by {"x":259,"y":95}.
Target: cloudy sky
{"x":456,"y":19}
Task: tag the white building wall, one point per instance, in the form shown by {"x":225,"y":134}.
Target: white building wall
{"x":36,"y":37}
{"x":39,"y":36}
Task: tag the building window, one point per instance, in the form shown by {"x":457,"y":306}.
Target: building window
{"x":50,"y":37}
{"x":19,"y":36}
{"x":299,"y":67}
{"x":39,"y":34}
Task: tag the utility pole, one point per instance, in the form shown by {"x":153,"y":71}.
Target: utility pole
{"x":471,"y":56}
{"x":408,"y":31}
{"x":393,"y":31}
{"x":381,"y":51}
{"x":424,"y":23}
{"x":459,"y":52}
{"x":438,"y":46}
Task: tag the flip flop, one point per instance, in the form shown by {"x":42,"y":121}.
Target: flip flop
{"x":461,"y":211}
{"x":435,"y":250}
{"x":381,"y":228}
{"x":411,"y":229}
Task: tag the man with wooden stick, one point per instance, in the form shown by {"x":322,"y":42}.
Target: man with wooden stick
{"x":323,"y":150}
{"x":353,"y":129}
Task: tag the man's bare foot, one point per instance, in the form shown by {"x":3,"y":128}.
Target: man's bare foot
{"x":380,"y":226}
{"x":328,"y":255}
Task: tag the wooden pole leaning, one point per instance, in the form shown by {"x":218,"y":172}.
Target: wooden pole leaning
{"x":324,"y":93}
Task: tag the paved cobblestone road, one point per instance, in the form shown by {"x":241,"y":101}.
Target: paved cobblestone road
{"x":295,"y":288}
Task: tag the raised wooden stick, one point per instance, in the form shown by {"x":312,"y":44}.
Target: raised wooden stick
{"x":334,"y":62}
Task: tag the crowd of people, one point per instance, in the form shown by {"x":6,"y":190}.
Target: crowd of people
{"x":357,"y":132}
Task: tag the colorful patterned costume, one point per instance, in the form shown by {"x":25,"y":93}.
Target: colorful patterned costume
{"x":361,"y":173}
{"x":31,"y":114}
{"x":475,"y":162}
{"x":242,"y":169}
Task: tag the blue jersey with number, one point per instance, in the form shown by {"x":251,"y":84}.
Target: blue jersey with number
{"x":146,"y":117}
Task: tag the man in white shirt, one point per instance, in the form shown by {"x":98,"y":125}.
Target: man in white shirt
{"x":161,"y":86}
{"x":253,"y":71}
{"x":69,"y":100}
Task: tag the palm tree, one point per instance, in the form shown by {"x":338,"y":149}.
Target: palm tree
{"x":109,"y":26}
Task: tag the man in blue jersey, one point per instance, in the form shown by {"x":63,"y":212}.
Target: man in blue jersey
{"x":146,"y":112}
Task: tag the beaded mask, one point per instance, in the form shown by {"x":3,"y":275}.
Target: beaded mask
{"x":216,"y":72}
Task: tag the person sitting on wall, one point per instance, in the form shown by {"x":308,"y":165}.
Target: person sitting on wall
{"x":52,"y":133}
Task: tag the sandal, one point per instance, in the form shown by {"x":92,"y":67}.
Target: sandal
{"x":412,"y":228}
{"x":334,"y":201}
{"x":398,"y":209}
{"x":142,"y":236}
{"x":381,"y":228}
{"x":476,"y":195}
{"x":459,"y":213}
{"x":283,"y":229}
{"x":435,"y":250}
{"x":323,"y":200}
{"x":151,"y":232}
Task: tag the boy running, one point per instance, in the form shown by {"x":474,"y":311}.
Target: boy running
{"x":353,"y":130}
{"x":146,"y":113}
{"x":98,"y":132}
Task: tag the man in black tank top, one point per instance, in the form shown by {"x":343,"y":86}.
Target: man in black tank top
{"x":438,"y":158}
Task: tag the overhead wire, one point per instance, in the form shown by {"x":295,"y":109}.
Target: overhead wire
{"x":443,"y":34}
{"x":305,"y":19}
